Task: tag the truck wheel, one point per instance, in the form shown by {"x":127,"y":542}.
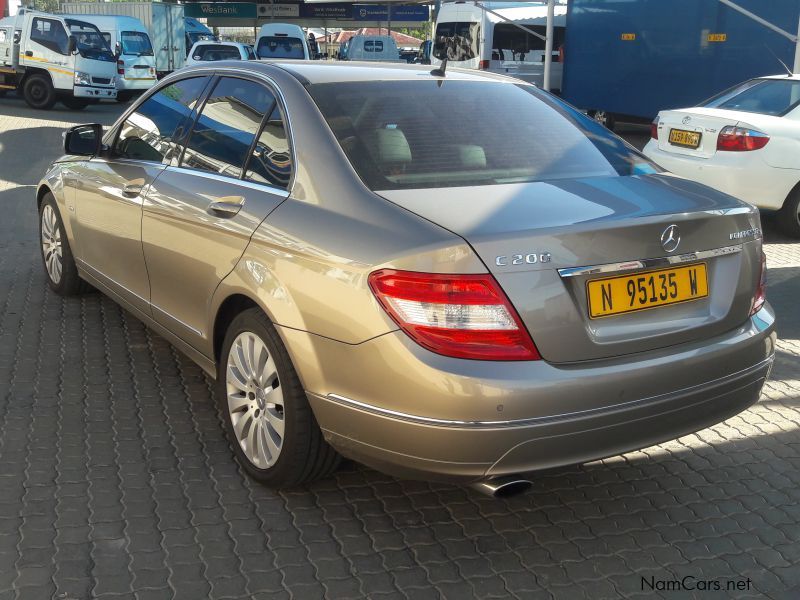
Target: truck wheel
{"x":75,"y":103}
{"x":789,"y":215}
{"x":123,"y":97}
{"x":606,"y":119}
{"x":38,"y":92}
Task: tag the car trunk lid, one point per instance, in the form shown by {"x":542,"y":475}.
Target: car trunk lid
{"x":534,"y":236}
{"x":675,"y":128}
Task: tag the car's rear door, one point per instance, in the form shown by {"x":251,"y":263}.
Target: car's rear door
{"x":200,"y":213}
{"x":109,"y":190}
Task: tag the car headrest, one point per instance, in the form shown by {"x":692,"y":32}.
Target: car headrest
{"x":472,"y":156}
{"x":391,"y":146}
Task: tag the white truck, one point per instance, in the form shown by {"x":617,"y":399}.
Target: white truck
{"x":165,"y":22}
{"x":136,"y":63}
{"x":52,"y":57}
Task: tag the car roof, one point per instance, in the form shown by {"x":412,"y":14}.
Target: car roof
{"x":315,"y":71}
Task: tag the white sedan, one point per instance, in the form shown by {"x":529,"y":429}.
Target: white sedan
{"x":205,"y":51}
{"x":744,"y":141}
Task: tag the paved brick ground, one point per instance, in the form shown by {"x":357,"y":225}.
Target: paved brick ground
{"x":116,"y":481}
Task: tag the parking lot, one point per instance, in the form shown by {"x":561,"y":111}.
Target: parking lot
{"x":116,"y":479}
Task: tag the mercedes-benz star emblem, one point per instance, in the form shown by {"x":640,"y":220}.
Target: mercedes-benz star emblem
{"x":671,"y":238}
{"x":686,"y":120}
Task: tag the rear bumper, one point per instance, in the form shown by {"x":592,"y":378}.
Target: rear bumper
{"x":614,"y":406}
{"x":740,"y":175}
{"x":127,"y":84}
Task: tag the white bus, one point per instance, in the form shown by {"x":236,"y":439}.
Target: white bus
{"x":486,"y":41}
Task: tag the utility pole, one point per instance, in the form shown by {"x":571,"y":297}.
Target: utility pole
{"x":548,"y":44}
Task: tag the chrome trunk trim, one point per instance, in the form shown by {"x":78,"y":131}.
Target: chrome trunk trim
{"x":649,"y":263}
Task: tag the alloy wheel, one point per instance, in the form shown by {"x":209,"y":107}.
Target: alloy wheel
{"x":255,"y":400}
{"x":51,"y":244}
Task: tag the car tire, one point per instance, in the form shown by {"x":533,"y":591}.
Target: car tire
{"x":267,"y":417}
{"x":38,"y":92}
{"x":789,"y":215}
{"x":74,"y":103}
{"x":124,"y":97}
{"x":59,"y":264}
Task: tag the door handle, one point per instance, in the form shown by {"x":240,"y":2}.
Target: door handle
{"x":227,"y":206}
{"x":28,"y":53}
{"x":133,"y":189}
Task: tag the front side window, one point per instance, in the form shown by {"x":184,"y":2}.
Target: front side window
{"x":774,"y":97}
{"x":458,"y":40}
{"x":279,"y":46}
{"x":3,"y":36}
{"x":250,"y":54}
{"x":512,"y":44}
{"x":136,"y":43}
{"x":152,"y":131}
{"x":411,"y":134}
{"x":227,"y":126}
{"x":90,"y":42}
{"x":271,"y":161}
{"x":50,"y":34}
{"x":212,"y":52}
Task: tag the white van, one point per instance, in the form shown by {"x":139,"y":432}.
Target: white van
{"x":282,"y":40}
{"x":488,"y":42}
{"x":136,"y":62}
{"x":381,"y":48}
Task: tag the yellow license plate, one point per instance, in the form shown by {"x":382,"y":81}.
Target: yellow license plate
{"x":687,"y":139}
{"x":628,"y":293}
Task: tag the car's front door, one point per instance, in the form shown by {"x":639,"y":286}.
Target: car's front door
{"x":109,"y":190}
{"x":199,"y":215}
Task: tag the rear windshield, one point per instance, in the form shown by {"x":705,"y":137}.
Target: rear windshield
{"x":280,"y":47}
{"x":136,"y":42}
{"x":774,"y":97}
{"x":209,"y":52}
{"x":427,"y":134}
{"x":458,"y":40}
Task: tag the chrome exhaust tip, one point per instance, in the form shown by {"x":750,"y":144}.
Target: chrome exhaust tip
{"x":502,"y":487}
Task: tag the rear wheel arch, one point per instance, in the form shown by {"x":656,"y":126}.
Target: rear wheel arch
{"x":40,"y":194}
{"x":228,"y":310}
{"x":789,"y":213}
{"x":31,"y":71}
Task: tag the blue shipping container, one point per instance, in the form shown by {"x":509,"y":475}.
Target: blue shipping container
{"x":636,"y":57}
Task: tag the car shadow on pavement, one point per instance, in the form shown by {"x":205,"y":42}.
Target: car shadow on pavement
{"x":16,"y":165}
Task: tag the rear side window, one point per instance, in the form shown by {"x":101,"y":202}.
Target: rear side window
{"x":373,"y":46}
{"x":152,"y":131}
{"x":211,"y":52}
{"x":280,"y":47}
{"x":774,"y":97}
{"x":459,"y":40}
{"x":227,"y":126}
{"x":427,"y":134}
{"x":271,"y":161}
{"x":50,"y":34}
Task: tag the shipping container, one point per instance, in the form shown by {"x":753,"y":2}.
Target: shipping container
{"x":636,"y":57}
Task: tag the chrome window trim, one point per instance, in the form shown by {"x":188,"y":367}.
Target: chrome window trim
{"x":648,"y":263}
{"x":394,"y":414}
{"x":262,"y":187}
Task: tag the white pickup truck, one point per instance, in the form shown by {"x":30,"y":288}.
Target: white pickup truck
{"x":50,"y":58}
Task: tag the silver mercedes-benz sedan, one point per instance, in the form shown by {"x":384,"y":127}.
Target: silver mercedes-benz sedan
{"x":454,"y":277}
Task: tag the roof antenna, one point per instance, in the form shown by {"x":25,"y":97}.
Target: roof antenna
{"x":440,"y":70}
{"x":788,"y":70}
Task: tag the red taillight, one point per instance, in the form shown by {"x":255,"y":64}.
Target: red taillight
{"x":463,"y":316}
{"x":120,"y":67}
{"x":484,"y":65}
{"x":739,"y":139}
{"x":654,"y":129}
{"x":761,"y":291}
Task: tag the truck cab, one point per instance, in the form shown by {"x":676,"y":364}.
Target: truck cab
{"x":136,"y":62}
{"x":52,"y":57}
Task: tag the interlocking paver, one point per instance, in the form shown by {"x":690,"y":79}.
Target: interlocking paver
{"x":116,"y":480}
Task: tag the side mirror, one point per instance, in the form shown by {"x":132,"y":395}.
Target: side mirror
{"x":117,"y":50}
{"x":72,"y":45}
{"x":83,"y":140}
